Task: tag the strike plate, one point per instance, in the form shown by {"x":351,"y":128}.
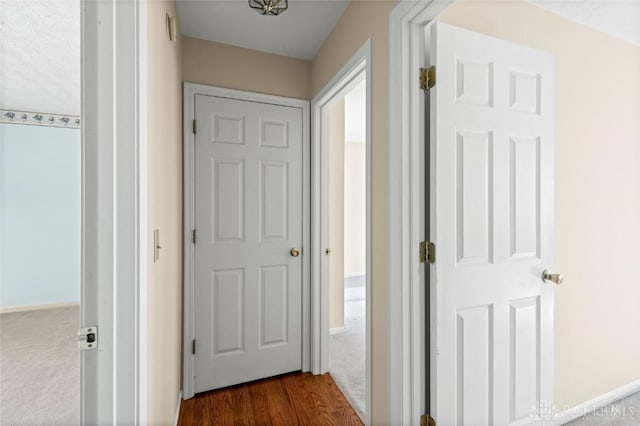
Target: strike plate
{"x":88,"y":338}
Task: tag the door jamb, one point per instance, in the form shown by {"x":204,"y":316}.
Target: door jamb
{"x":342,"y":81}
{"x":113,"y":111}
{"x":190,"y":90}
{"x":407,"y":189}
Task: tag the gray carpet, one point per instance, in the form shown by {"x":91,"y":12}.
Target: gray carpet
{"x":347,"y":351}
{"x":620,"y":413}
{"x":39,"y":367}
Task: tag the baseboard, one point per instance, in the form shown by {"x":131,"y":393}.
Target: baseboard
{"x":336,"y":330}
{"x":10,"y":309}
{"x":597,"y":403}
{"x":178,"y":409}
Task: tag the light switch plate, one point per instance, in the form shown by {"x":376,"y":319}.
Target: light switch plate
{"x":156,"y":245}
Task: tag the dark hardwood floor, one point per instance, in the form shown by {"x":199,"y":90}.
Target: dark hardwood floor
{"x":290,"y":399}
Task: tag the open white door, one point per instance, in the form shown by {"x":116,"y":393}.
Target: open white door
{"x":492,"y":223}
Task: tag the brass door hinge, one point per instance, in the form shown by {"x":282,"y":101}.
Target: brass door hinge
{"x":427,"y":420}
{"x":194,"y":127}
{"x":193,"y":347}
{"x":427,"y":77}
{"x":427,"y":252}
{"x":193,"y":236}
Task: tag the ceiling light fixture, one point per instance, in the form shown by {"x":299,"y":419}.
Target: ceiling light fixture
{"x":269,"y":7}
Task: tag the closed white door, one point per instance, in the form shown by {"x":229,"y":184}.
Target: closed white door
{"x":492,"y":185}
{"x":248,"y":200}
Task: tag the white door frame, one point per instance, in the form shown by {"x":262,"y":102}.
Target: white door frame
{"x":407,"y":188}
{"x":113,"y":36}
{"x":189,"y":95}
{"x":339,"y":85}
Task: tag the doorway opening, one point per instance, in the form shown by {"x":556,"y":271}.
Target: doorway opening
{"x":347,"y":243}
{"x":340,"y":225}
{"x":40,"y":212}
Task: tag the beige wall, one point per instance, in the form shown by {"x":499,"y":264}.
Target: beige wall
{"x":361,"y":21}
{"x":597,"y":192}
{"x":164,"y":213}
{"x":232,"y":67}
{"x":355,"y":212}
{"x":336,"y":214}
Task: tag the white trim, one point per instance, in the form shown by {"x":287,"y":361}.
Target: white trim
{"x":407,"y":325}
{"x":111,"y":103}
{"x":143,"y":198}
{"x":177,"y":417}
{"x":189,"y":93}
{"x":337,"y":330}
{"x":27,"y":308}
{"x":596,"y":403}
{"x":342,"y":82}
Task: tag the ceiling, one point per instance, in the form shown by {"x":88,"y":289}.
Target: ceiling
{"x":619,"y":18}
{"x":40,"y":39}
{"x":299,"y":32}
{"x":40,"y":56}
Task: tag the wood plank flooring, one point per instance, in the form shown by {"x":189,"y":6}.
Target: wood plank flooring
{"x":290,"y":399}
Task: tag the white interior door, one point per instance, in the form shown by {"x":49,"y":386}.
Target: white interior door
{"x":492,"y":187}
{"x":248,"y":215}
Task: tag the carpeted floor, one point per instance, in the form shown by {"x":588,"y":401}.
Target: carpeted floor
{"x":39,"y":367}
{"x":620,"y":413}
{"x":347,"y":351}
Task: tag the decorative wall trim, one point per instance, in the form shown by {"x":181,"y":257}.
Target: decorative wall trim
{"x":31,"y":118}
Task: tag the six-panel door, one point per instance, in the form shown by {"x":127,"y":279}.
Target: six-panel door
{"x":492,"y":146}
{"x":248,"y":203}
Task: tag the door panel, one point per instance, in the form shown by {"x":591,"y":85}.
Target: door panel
{"x":228,"y":201}
{"x":491,"y":179}
{"x":274,"y":200}
{"x":248,"y":202}
{"x":274,"y":293}
{"x":474,"y":365}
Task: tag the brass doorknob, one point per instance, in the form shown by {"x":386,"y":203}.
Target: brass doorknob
{"x":295,"y":252}
{"x":548,"y":277}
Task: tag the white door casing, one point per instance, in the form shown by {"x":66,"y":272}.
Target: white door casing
{"x":248,"y":216}
{"x":492,"y":190}
{"x":113,"y":386}
{"x":358,"y":66}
